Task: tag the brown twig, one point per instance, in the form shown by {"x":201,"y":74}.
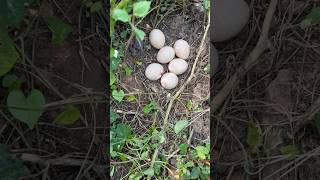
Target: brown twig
{"x":177,"y":94}
{"x":252,"y":60}
{"x":62,"y":161}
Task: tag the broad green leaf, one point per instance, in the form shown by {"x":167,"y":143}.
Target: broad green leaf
{"x":139,"y":34}
{"x":8,"y":52}
{"x":59,"y":29}
{"x":149,"y":172}
{"x":313,"y":18}
{"x":195,"y":173}
{"x":157,"y":167}
{"x":128,"y":70}
{"x":131,"y":98}
{"x":112,"y":171}
{"x":26,"y":109}
{"x":12,"y":11}
{"x":11,"y":81}
{"x":118,"y":95}
{"x":183,"y":148}
{"x":120,"y":15}
{"x":161,"y":137}
{"x":123,"y":131}
{"x":141,"y":9}
{"x":96,"y":7}
{"x":113,"y":78}
{"x":113,"y":115}
{"x":149,"y":107}
{"x":207,"y":68}
{"x":202,"y":151}
{"x":112,"y":24}
{"x":189,"y":164}
{"x":10,"y":168}
{"x":206,"y":4}
{"x":180,"y":125}
{"x":68,"y":116}
{"x":290,"y":151}
{"x":115,"y":61}
{"x":254,"y":138}
{"x":145,"y":155}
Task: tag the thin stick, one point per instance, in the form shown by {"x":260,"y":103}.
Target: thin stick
{"x":252,"y":60}
{"x":172,"y":100}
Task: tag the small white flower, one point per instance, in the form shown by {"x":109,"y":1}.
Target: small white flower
{"x":116,"y":53}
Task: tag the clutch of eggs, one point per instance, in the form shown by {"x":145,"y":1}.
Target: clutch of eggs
{"x":167,"y":54}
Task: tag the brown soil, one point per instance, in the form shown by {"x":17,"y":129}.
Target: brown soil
{"x":271,"y":95}
{"x":76,"y":72}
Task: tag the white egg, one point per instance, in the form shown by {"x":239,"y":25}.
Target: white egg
{"x":154,"y":71}
{"x":169,"y":81}
{"x":178,"y":66}
{"x":229,"y":17}
{"x":182,"y":49}
{"x":165,"y":54}
{"x":157,"y":38}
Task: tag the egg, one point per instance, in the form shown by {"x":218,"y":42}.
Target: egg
{"x":214,"y":59}
{"x":157,"y":38}
{"x":182,"y":49}
{"x":154,"y":71}
{"x":178,"y":66}
{"x":229,"y":17}
{"x":169,"y":80}
{"x":165,"y":54}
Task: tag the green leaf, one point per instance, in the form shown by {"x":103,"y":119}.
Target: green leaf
{"x":8,"y":52}
{"x":149,"y":107}
{"x":149,"y":172}
{"x":161,"y":137}
{"x":11,"y":81}
{"x":195,"y":173}
{"x":131,"y":98}
{"x":112,"y":171}
{"x":189,"y":164}
{"x":180,"y":125}
{"x":12,"y":11}
{"x":68,"y":116}
{"x":290,"y":151}
{"x":183,"y":148}
{"x":206,"y":4}
{"x":96,"y":7}
{"x":120,"y":15}
{"x":118,"y":95}
{"x":202,"y":151}
{"x":59,"y":29}
{"x":313,"y":18}
{"x":128,"y":70}
{"x":113,"y":78}
{"x":112,"y":24}
{"x":189,"y":105}
{"x":145,"y":155}
{"x":207,"y":68}
{"x":139,"y":34}
{"x":11,"y":168}
{"x":123,"y":131}
{"x":141,"y":9}
{"x":115,"y":61}
{"x":26,"y":109}
{"x":254,"y":138}
{"x":113,"y":115}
